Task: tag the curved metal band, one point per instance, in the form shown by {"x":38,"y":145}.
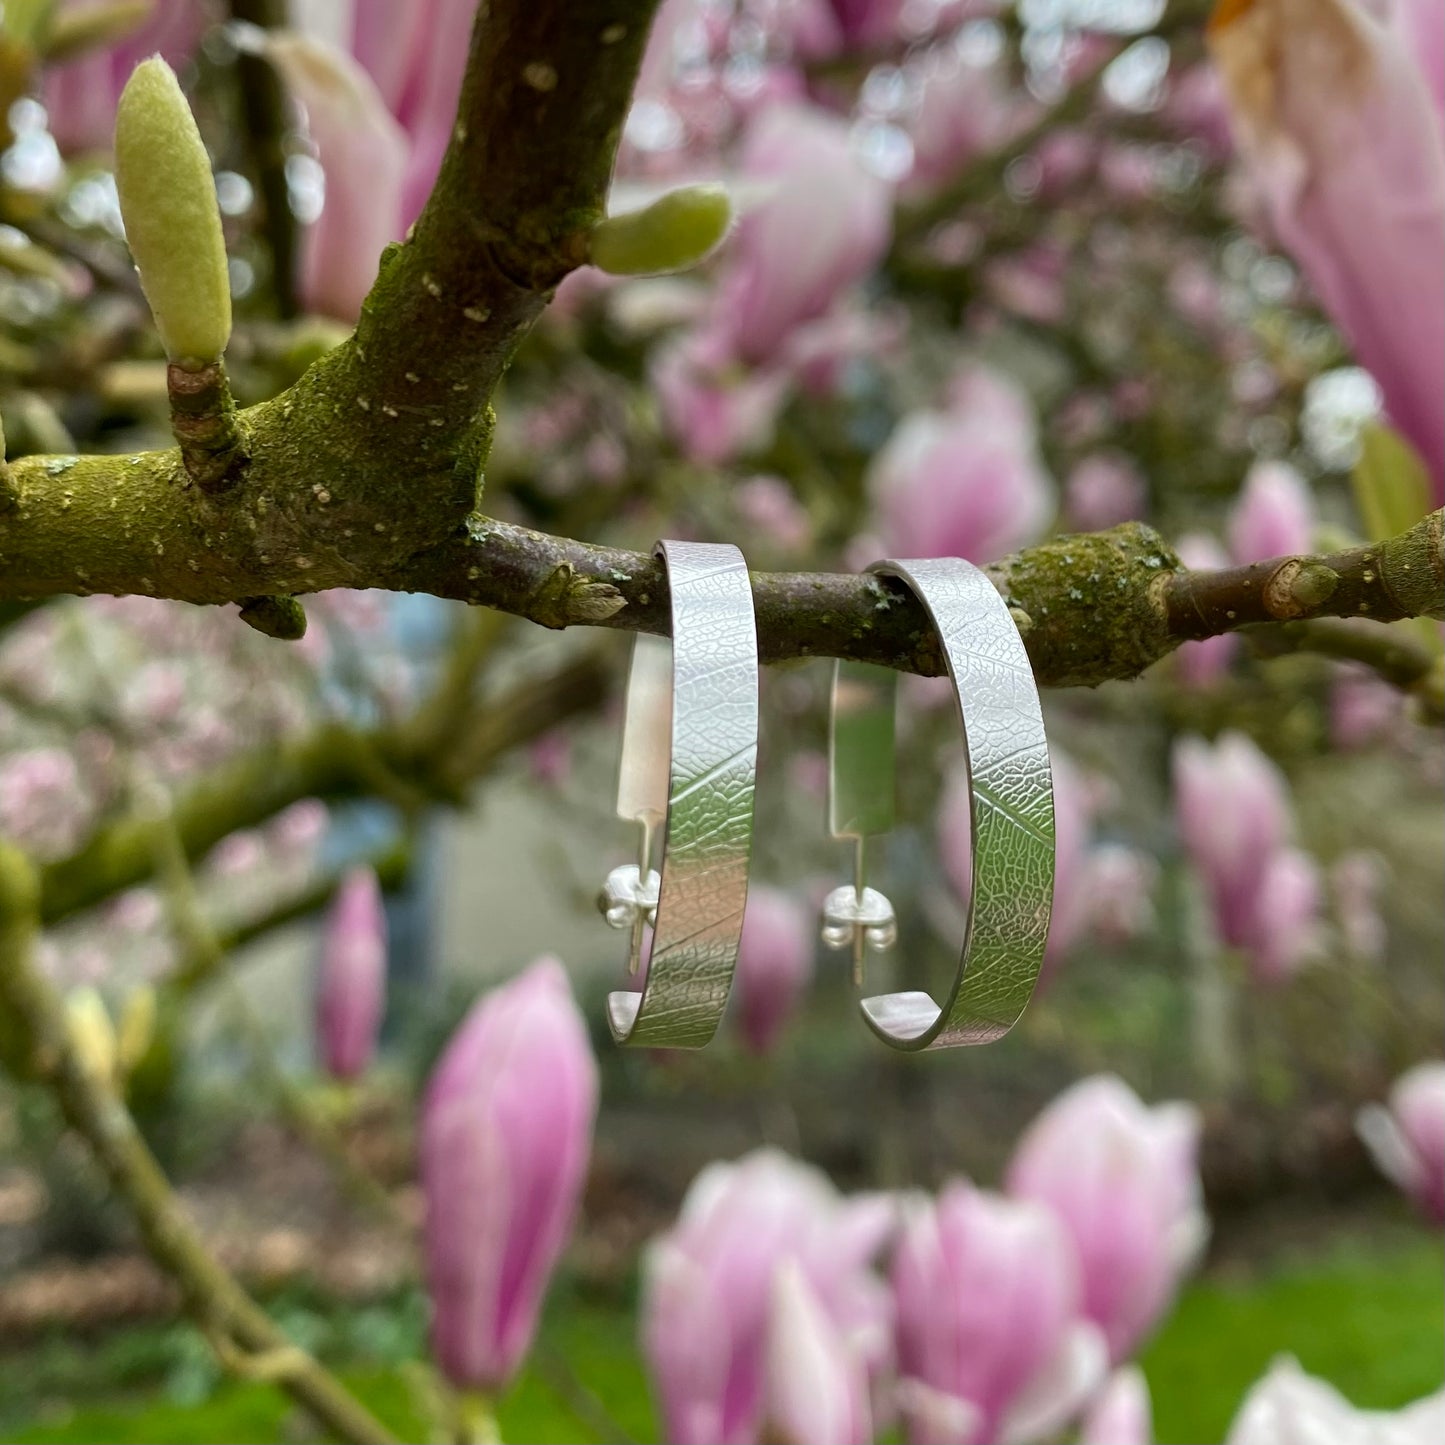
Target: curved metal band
{"x":708,"y":837}
{"x":1012,"y":810}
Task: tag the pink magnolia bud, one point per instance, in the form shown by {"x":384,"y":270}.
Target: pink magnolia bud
{"x":351,"y":997}
{"x":958,"y":484}
{"x":991,"y":1343}
{"x":1286,"y":916}
{"x":362,"y":151}
{"x":1274,"y":515}
{"x":506,"y":1132}
{"x":1341,"y":137}
{"x":1289,"y":1407}
{"x":1200,"y":664}
{"x":1407,"y":1140}
{"x":1121,"y":1415}
{"x":775,"y":964}
{"x":1232,"y":807}
{"x":708,"y":1288}
{"x":81,"y":95}
{"x":1103,"y":490}
{"x":1124,"y":1180}
{"x":821,"y":224}
{"x":817,"y":1389}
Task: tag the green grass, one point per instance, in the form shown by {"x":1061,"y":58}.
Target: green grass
{"x":1372,"y":1323}
{"x":1369,"y":1318}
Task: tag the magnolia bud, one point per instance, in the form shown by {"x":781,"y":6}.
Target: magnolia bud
{"x":172,"y":219}
{"x":92,"y":1035}
{"x":676,"y":231}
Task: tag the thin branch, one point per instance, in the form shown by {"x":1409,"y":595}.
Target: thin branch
{"x":36,"y":1045}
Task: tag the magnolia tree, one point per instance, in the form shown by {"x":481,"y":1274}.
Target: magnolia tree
{"x":1138,"y":306}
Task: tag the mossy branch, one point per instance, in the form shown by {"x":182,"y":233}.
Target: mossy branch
{"x":367,"y":472}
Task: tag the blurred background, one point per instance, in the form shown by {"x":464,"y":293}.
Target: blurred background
{"x":1001,"y":271}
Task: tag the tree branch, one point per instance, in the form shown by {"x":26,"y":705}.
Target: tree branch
{"x":35,"y":1044}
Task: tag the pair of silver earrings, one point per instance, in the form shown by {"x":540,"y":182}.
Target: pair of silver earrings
{"x":698,"y":708}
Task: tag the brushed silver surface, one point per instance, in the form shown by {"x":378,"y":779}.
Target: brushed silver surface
{"x":646,"y":729}
{"x":708,"y":835}
{"x":1012,"y":800}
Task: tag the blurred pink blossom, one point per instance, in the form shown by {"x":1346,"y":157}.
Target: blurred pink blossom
{"x":1102,"y":490}
{"x":351,"y":991}
{"x":1121,"y":1414}
{"x":80,"y":95}
{"x":1201,"y":664}
{"x":714,"y":412}
{"x":962,"y":110}
{"x":991,"y":1342}
{"x":962,"y":483}
{"x":1124,"y":1179}
{"x":775,"y":964}
{"x":708,"y":1289}
{"x":1289,"y":1407}
{"x":1357,"y":880}
{"x":363,"y":152}
{"x":1286,"y":916}
{"x":817,"y":1389}
{"x":1407,"y":1139}
{"x":1363,"y":708}
{"x":42,"y":805}
{"x":1032,"y":283}
{"x":1342,"y":139}
{"x":506,"y":1133}
{"x":820,"y":223}
{"x":1232,"y":807}
{"x":769,"y":505}
{"x":1119,"y":883}
{"x":1273,"y":516}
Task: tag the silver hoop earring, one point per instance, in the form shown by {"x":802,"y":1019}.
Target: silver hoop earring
{"x":689,"y":763}
{"x":1011,"y":803}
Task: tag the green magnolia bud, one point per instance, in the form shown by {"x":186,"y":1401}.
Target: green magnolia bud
{"x":674,"y":232}
{"x":172,"y":220}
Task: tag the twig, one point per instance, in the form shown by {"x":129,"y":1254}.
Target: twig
{"x":35,"y":1045}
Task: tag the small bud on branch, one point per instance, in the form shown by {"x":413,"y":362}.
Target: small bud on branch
{"x":675,"y":232}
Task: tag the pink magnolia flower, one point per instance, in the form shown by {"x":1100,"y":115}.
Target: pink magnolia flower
{"x":817,"y":1388}
{"x":363,"y":152}
{"x":963,"y":109}
{"x":1102,"y":490}
{"x":1274,"y":515}
{"x":1232,"y":807}
{"x":1336,"y":123}
{"x":80,"y":95}
{"x":1363,"y":708}
{"x":1407,"y":1139}
{"x":1124,"y":1180}
{"x":1286,"y":916}
{"x":506,"y":1132}
{"x":42,"y":801}
{"x":1073,"y":828}
{"x":991,"y":1343}
{"x":1119,"y":884}
{"x":1121,"y":1414}
{"x":821,"y":223}
{"x":708,"y":1289}
{"x":1200,"y":664}
{"x":714,"y":412}
{"x":351,"y":996}
{"x":1289,"y":1407}
{"x":961,"y":483}
{"x":775,"y":964}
